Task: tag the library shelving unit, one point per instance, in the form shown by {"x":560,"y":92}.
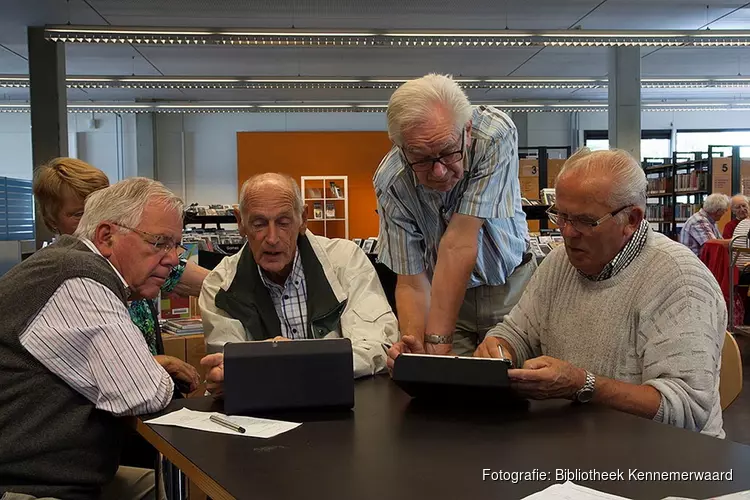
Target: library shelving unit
{"x":676,"y":189}
{"x":327,"y":200}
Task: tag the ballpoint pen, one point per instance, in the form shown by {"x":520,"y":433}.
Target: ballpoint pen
{"x":227,"y":423}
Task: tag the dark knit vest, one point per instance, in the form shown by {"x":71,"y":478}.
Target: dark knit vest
{"x":53,"y":441}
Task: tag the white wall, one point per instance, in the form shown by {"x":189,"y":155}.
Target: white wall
{"x":98,"y":147}
{"x":549,"y":129}
{"x":210,"y":146}
{"x":680,"y":120}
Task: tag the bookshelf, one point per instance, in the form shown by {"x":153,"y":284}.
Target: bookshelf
{"x":327,"y":201}
{"x":676,"y":189}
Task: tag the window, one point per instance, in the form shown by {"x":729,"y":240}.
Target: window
{"x":654,"y":143}
{"x":700,"y":140}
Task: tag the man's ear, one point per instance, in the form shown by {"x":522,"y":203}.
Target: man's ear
{"x":240,"y":227}
{"x":635,"y":217}
{"x":104,"y":238}
{"x":303,"y":227}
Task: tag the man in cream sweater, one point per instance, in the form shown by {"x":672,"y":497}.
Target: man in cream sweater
{"x":621,"y":316}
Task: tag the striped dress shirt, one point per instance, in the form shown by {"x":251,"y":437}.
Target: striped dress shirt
{"x":290,"y":301}
{"x":413,"y":218}
{"x":84,"y":335}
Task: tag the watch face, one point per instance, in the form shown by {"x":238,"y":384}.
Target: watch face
{"x":584,"y":396}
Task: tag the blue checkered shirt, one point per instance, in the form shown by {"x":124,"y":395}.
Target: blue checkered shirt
{"x":290,"y":301}
{"x":413,"y":218}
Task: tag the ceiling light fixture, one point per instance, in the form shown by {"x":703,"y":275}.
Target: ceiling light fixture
{"x":266,"y":83}
{"x":464,"y":39}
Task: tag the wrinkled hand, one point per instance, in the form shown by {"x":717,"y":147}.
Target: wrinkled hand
{"x":489,"y":348}
{"x":408,"y":343}
{"x":546,"y":378}
{"x":214,"y":364}
{"x":179,"y":370}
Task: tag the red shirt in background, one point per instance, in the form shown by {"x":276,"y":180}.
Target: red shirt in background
{"x":729,"y":229}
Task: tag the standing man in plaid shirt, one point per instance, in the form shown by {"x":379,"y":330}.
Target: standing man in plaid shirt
{"x":702,"y":227}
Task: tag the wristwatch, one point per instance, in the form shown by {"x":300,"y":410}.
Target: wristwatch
{"x":430,"y":338}
{"x":586,"y":393}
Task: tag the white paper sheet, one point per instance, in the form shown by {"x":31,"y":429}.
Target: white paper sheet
{"x":571,"y":491}
{"x":199,"y":420}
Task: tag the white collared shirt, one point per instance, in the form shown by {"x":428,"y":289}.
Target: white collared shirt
{"x":85,"y":336}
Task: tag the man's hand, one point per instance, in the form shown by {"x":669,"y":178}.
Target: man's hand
{"x":214,"y":364}
{"x":408,"y":343}
{"x":278,"y":338}
{"x":179,"y":370}
{"x":546,"y":378}
{"x":489,"y":348}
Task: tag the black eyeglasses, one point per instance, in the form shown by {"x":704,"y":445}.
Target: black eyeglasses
{"x":446,"y":159}
{"x":161,"y":243}
{"x":581,"y":225}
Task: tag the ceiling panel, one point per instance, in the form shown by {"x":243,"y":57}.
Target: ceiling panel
{"x":93,"y":59}
{"x":657,"y":14}
{"x":333,"y":61}
{"x":390,"y":14}
{"x":697,"y":62}
{"x":558,"y":61}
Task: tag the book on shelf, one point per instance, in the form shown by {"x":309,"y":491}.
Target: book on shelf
{"x":330,"y":210}
{"x":659,"y":185}
{"x":317,"y":210}
{"x":336,"y":191}
{"x":692,"y":181}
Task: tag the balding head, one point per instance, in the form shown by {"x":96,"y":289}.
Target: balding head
{"x":272,"y":216}
{"x":278,"y":184}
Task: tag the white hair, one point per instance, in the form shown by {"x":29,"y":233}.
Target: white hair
{"x":737,"y":199}
{"x":256,"y":180}
{"x":416,"y":101}
{"x":716,"y":202}
{"x":123,"y":203}
{"x":628,"y":179}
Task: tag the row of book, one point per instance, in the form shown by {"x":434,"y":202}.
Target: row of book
{"x":213,"y":240}
{"x":659,"y":213}
{"x":330,"y":212}
{"x":665,"y":213}
{"x":694,"y":181}
{"x":660,"y":185}
{"x":206,"y":210}
{"x":333,"y":191}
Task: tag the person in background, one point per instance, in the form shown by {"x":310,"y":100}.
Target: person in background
{"x":702,"y":227}
{"x":60,"y":188}
{"x":451,"y":223}
{"x":739,"y":206}
{"x":289,"y":284}
{"x":621,"y":316}
{"x":71,"y":359}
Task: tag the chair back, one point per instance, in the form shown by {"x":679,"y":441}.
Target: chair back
{"x":730,"y":381}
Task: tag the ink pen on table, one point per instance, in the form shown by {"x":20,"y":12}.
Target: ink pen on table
{"x":227,"y":423}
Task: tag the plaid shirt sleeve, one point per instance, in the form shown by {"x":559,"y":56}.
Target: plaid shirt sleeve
{"x":702,"y":231}
{"x":489,"y":192}
{"x":400,"y":243}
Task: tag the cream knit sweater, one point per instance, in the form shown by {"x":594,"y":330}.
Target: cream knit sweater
{"x":660,"y":322}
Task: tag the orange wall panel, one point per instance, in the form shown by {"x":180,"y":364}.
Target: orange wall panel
{"x":354,"y":154}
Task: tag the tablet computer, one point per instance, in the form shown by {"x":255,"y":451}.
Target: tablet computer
{"x":277,"y":376}
{"x":460,"y":378}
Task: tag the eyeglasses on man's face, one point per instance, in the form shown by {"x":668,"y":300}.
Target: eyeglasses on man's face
{"x":581,"y":224}
{"x":426,"y":164}
{"x":161,"y":243}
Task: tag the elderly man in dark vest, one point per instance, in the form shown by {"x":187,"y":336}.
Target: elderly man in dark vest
{"x":71,"y":360}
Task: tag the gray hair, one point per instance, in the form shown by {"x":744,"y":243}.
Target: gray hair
{"x":256,"y":180}
{"x":628,"y":179}
{"x":739,"y":196}
{"x":716,"y":202}
{"x":416,"y":101}
{"x":123,"y":203}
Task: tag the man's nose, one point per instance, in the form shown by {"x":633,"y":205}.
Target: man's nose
{"x":438,"y":169}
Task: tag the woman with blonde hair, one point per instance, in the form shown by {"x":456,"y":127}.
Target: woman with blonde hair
{"x":61,"y":187}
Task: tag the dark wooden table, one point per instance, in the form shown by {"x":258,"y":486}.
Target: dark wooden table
{"x":392,"y":447}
